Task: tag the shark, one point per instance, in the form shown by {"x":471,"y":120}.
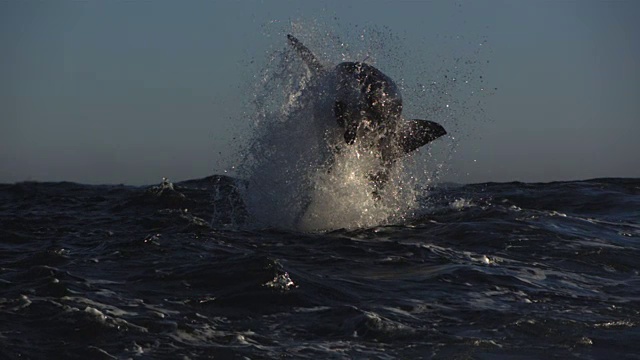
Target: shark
{"x":367,"y":106}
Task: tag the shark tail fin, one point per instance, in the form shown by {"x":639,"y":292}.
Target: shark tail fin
{"x":416,"y":133}
{"x":306,"y":54}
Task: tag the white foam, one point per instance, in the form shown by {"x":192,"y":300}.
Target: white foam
{"x":300,"y":173}
{"x":461,"y":203}
{"x":342,"y":198}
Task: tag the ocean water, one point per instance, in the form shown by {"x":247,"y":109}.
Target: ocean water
{"x":495,"y":270}
{"x":288,"y":255}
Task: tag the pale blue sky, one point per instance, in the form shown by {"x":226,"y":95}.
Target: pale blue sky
{"x":130,"y":92}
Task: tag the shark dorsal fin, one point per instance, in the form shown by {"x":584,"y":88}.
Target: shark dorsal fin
{"x":306,"y":55}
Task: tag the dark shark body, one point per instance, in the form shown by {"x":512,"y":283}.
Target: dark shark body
{"x":368,"y":106}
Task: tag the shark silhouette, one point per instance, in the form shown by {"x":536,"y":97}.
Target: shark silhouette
{"x":368,"y":106}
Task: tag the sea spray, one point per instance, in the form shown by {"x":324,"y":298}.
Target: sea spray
{"x":345,"y":197}
{"x":300,"y":174}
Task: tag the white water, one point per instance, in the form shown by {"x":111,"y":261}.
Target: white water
{"x":301,"y":175}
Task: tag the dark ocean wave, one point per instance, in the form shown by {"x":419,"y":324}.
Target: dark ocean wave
{"x":495,"y":270}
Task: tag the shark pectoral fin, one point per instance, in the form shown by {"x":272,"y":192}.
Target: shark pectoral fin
{"x":350,"y":134}
{"x":417,"y":133}
{"x":343,"y":120}
{"x":340,"y":113}
{"x":306,"y":55}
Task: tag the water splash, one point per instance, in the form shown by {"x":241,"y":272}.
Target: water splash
{"x":299,"y":172}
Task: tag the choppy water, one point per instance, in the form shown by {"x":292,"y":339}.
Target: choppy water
{"x":498,"y":270}
{"x":298,"y":260}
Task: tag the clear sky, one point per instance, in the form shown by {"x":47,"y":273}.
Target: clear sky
{"x":130,"y":92}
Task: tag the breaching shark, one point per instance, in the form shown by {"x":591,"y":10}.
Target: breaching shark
{"x":368,"y":106}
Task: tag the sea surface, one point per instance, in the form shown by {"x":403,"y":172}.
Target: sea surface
{"x":180,"y":271}
{"x":300,"y":256}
